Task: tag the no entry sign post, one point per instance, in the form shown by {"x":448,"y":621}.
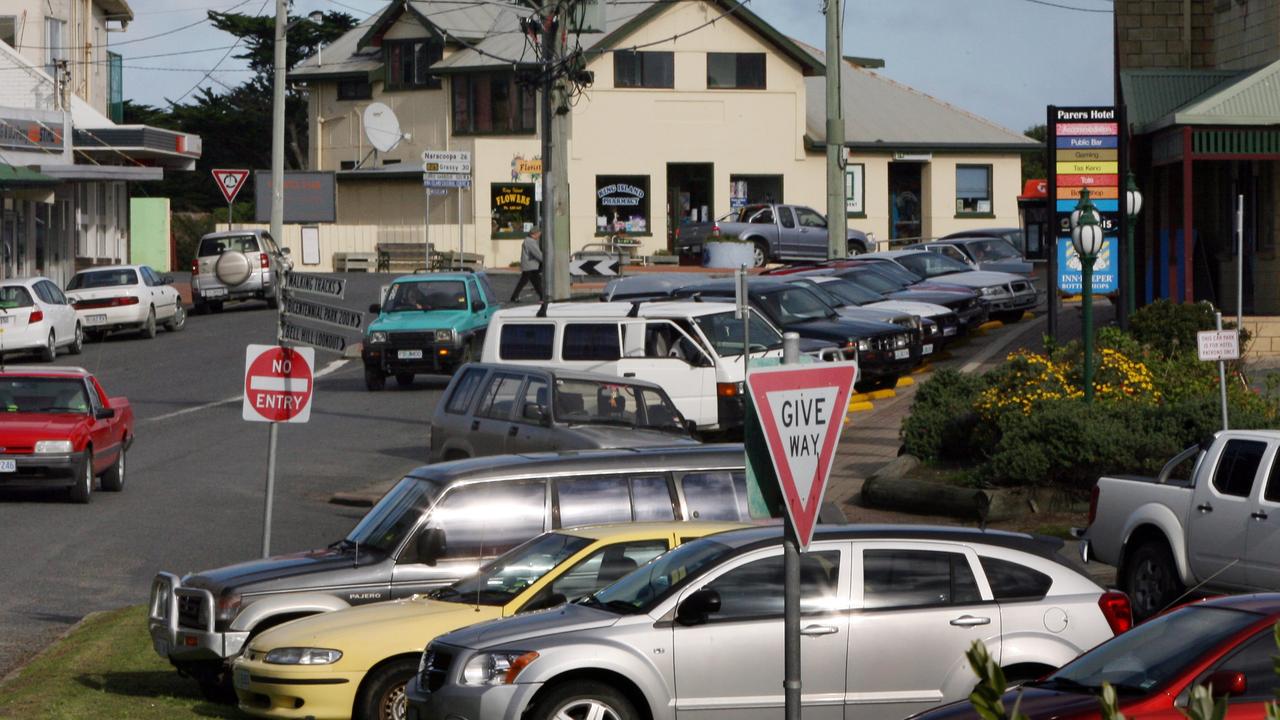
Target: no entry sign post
{"x":278,"y":387}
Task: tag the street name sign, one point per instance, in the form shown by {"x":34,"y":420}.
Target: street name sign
{"x":316,"y":284}
{"x":801,"y":410}
{"x":277,"y":383}
{"x":342,"y":317}
{"x":230,"y":182}
{"x":446,"y":156}
{"x":445,"y":180}
{"x":1214,"y":345}
{"x":598,"y":265}
{"x":446,"y":167}
{"x":311,"y":336}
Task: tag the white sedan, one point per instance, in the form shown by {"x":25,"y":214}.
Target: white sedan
{"x":125,"y":297}
{"x":35,"y":315}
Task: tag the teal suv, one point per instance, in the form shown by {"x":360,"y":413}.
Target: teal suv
{"x":429,"y":323}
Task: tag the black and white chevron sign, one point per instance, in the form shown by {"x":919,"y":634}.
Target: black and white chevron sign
{"x":601,"y":265}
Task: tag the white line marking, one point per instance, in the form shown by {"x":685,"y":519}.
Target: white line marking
{"x":278,"y":384}
{"x":328,"y":369}
{"x":987,"y":352}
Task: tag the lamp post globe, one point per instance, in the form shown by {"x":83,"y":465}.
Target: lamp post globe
{"x":1132,"y":198}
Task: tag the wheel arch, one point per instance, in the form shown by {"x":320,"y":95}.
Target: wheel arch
{"x":604,"y":676}
{"x":283,"y":608}
{"x":412,"y":657}
{"x":1154,"y":522}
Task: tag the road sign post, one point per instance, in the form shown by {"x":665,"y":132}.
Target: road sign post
{"x":229,"y":183}
{"x":1220,"y":345}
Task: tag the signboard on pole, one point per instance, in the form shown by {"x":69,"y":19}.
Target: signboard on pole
{"x":599,"y":264}
{"x":312,"y":336}
{"x":277,"y":383}
{"x":316,"y":284}
{"x":801,"y":410}
{"x":446,"y":167}
{"x":1214,"y":345}
{"x":320,"y":312}
{"x":446,"y":156}
{"x":1085,"y":147}
{"x":230,"y":182}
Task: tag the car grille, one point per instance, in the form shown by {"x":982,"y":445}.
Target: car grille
{"x":890,"y":342}
{"x":410,"y":339}
{"x":189,"y":607}
{"x":435,"y":669}
{"x":962,"y":305}
{"x":1020,"y":287}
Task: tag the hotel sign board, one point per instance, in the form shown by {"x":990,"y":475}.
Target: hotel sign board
{"x":1084,"y":148}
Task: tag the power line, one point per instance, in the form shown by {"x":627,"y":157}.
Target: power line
{"x":137,"y":40}
{"x":1068,"y":7}
{"x":227,"y":54}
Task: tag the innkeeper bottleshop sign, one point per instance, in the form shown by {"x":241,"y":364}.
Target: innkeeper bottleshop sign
{"x":620,"y":194}
{"x":1085,"y":147}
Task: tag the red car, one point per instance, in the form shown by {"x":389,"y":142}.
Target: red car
{"x":58,"y":428}
{"x":1226,"y":643}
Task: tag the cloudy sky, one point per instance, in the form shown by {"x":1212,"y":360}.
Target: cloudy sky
{"x":1002,"y":59}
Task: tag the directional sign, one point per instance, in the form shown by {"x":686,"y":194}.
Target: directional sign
{"x":434,"y":191}
{"x":277,"y":383}
{"x":458,"y":156}
{"x":230,"y":182}
{"x":601,"y":265}
{"x":316,"y":284}
{"x":443,"y":181}
{"x":1218,"y":345}
{"x":323,"y":313}
{"x":311,"y":336}
{"x":801,"y":410}
{"x":446,"y":167}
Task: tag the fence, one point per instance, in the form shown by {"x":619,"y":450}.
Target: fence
{"x":325,"y":240}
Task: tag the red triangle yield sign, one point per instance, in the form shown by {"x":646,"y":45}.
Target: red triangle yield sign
{"x":230,"y":182}
{"x":801,"y":409}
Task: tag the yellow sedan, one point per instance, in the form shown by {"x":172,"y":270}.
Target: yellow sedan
{"x":355,"y":662}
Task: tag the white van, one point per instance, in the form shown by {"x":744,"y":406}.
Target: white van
{"x":692,"y":349}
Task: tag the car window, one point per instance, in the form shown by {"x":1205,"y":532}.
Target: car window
{"x":651,"y":498}
{"x":605,"y":566}
{"x":489,"y":295}
{"x":1011,"y":581}
{"x":591,"y":341}
{"x":764,"y":217}
{"x":526,"y":341}
{"x":217,"y":245}
{"x":56,"y":293}
{"x":535,"y":396}
{"x":465,"y":391}
{"x":714,"y":495}
{"x":809,"y":218}
{"x":916,"y":578}
{"x":784,"y":217}
{"x":665,"y":339}
{"x":42,"y":292}
{"x":490,"y":518}
{"x":43,"y":395}
{"x":149,"y":278}
{"x":754,"y":590}
{"x":1272,"y":492}
{"x":14,"y":296}
{"x":1254,"y":660}
{"x":593,"y":500}
{"x":1237,"y":467}
{"x":95,"y":402}
{"x":90,"y":279}
{"x":499,"y":397}
{"x":951,"y":252}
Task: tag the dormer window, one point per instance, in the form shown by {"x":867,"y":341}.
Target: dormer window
{"x":408,"y":62}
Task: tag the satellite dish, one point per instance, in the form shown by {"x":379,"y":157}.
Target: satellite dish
{"x":381,"y":127}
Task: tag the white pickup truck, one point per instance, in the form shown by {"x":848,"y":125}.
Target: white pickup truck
{"x":1218,"y":529}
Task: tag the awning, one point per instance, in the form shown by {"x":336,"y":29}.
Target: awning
{"x":81,"y":171}
{"x":21,"y":177}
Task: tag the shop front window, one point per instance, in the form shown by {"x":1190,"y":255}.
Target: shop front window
{"x":514,"y":210}
{"x":622,"y":204}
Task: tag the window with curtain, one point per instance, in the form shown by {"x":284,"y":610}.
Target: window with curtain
{"x":635,"y":69}
{"x":492,"y":103}
{"x":736,"y":70}
{"x":408,"y":63}
{"x":973,"y":190}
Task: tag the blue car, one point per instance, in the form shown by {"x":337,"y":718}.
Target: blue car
{"x":428,"y":323}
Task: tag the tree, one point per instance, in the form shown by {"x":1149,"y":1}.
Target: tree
{"x":1033,"y":167}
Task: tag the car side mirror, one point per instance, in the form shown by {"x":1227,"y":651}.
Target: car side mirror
{"x":430,"y":546}
{"x":103,"y":413}
{"x":695,"y":609}
{"x":1227,"y":682}
{"x":478,"y":305}
{"x":374,"y":308}
{"x":536,"y":413}
{"x":691,"y":426}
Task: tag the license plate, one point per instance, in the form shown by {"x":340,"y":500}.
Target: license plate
{"x":927,"y":350}
{"x":95,"y":319}
{"x":214,"y":292}
{"x":161,"y":645}
{"x":8,"y":466}
{"x":409,"y":354}
{"x":901,"y":354}
{"x":948,"y":332}
{"x":241,"y":679}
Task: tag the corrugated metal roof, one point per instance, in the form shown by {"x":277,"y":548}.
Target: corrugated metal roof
{"x":469,"y":20}
{"x":343,"y":55}
{"x":1253,"y":99}
{"x":1152,"y":95}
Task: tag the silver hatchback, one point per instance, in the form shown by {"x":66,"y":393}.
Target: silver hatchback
{"x":887,"y":613}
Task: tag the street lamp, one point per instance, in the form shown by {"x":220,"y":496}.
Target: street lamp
{"x":1132,"y":206}
{"x":1087,"y":238}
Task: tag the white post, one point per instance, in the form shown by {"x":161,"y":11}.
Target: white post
{"x":427,"y":227}
{"x":1239,"y":262}
{"x":460,"y":265}
{"x":1222,"y":378}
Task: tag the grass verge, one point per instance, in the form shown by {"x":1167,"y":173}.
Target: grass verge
{"x":105,"y":668}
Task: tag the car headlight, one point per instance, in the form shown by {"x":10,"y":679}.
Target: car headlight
{"x":864,"y":345}
{"x":44,"y":447}
{"x":994,"y":291}
{"x":444,"y":336}
{"x":496,"y":668}
{"x":377,"y":337}
{"x":302,"y":656}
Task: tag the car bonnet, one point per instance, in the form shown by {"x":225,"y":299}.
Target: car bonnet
{"x":554,"y":621}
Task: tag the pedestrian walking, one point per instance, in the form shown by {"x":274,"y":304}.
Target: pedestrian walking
{"x":530,"y":264}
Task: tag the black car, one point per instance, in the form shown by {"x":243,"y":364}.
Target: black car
{"x":961,"y":301}
{"x":884,"y":352}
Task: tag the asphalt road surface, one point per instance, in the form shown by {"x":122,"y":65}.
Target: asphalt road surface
{"x":195,"y":478}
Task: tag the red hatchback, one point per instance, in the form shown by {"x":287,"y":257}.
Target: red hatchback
{"x":1226,"y":643}
{"x":58,"y":428}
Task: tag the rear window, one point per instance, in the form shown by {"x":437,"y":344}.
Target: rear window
{"x":1011,"y":581}
{"x":594,"y":341}
{"x":217,"y":245}
{"x":103,"y":279}
{"x":526,"y":341}
{"x":14,"y":296}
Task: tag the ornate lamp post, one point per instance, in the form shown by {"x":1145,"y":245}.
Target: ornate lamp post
{"x":1132,"y":206}
{"x":1087,"y":238}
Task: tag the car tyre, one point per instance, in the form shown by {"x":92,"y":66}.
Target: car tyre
{"x":77,"y":344}
{"x":404,"y":379}
{"x":854,"y":248}
{"x":273,"y":302}
{"x":113,"y":478}
{"x":50,"y":350}
{"x":759,"y":253}
{"x":179,"y":319}
{"x":217,"y":687}
{"x":83,"y":487}
{"x":382,"y":697}
{"x":149,"y":327}
{"x":583,"y":700}
{"x":1151,"y":579}
{"x":374,"y":379}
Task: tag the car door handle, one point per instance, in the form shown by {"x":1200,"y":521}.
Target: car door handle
{"x":513,"y":430}
{"x":970,"y":621}
{"x":475,"y":424}
{"x":816,"y":630}
{"x":1205,"y":508}
{"x":1259,"y":516}
{"x":631,"y":374}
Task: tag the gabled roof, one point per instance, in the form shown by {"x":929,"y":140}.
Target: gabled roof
{"x":1152,"y":95}
{"x":881,"y":114}
{"x":342,"y":57}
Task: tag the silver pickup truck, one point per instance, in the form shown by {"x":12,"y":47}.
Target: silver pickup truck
{"x":1209,"y":520}
{"x":779,"y":232}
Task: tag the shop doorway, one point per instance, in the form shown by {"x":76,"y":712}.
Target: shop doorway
{"x":754,"y":189}
{"x":905,"y":200}
{"x":689,"y":196}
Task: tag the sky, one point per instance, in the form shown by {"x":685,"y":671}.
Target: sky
{"x":1004,"y":60}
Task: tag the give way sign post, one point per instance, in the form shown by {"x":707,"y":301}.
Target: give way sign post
{"x":229,"y":183}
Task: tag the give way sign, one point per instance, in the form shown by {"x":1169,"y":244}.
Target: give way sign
{"x":230,"y":182}
{"x":277,"y":383}
{"x":801,"y":409}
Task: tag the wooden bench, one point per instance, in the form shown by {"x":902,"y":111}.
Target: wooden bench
{"x":448,"y":260}
{"x":348,"y":261}
{"x":402,"y":257}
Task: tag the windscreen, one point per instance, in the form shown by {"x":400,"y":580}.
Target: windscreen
{"x":870,"y":280}
{"x":725,"y":333}
{"x":43,"y":395}
{"x":103,"y":279}
{"x":426,"y":296}
{"x":796,"y":304}
{"x":500,"y":580}
{"x":896,"y":272}
{"x":849,"y":293}
{"x":642,"y":588}
{"x":929,"y":264}
{"x":395,"y":515}
{"x":993,"y":249}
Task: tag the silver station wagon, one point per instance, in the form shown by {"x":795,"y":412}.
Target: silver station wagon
{"x":887,"y":613}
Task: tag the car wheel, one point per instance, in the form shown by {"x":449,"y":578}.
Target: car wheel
{"x":404,"y":379}
{"x":216,"y":687}
{"x":759,"y":254}
{"x":382,"y":697}
{"x":83,"y":487}
{"x":1151,"y":579}
{"x":854,"y":248}
{"x":374,"y":380}
{"x":50,"y":349}
{"x":149,"y":327}
{"x":179,"y":319}
{"x":584,"y":701}
{"x":77,"y":345}
{"x":113,"y":479}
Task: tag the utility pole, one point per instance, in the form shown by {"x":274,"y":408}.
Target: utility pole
{"x":277,"y":233}
{"x":555,"y":155}
{"x":837,"y":220}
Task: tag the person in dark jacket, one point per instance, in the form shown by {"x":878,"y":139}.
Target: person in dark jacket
{"x":530,"y":264}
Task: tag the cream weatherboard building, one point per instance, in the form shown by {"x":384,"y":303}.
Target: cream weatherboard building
{"x":695,"y":109}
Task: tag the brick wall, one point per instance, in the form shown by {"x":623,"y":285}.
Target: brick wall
{"x":1246,"y":33}
{"x":1154,"y":33}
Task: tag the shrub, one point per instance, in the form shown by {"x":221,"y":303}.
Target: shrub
{"x":942,"y":425}
{"x":1170,"y":328}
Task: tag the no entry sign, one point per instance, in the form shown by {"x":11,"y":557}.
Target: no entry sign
{"x":277,"y":383}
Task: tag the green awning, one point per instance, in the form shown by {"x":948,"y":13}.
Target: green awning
{"x":11,"y":176}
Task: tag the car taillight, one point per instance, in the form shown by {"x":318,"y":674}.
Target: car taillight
{"x":266,"y":263}
{"x":1116,"y":609}
{"x":1093,"y":504}
{"x":36,"y":316}
{"x":127,"y":300}
{"x":195,"y":267}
